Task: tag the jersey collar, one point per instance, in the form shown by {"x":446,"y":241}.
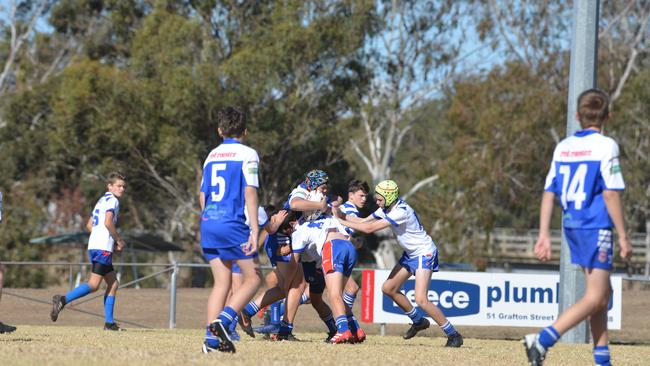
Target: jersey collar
{"x":230,"y":141}
{"x":587,"y":132}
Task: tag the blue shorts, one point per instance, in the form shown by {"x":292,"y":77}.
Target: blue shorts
{"x":227,"y":254}
{"x":271,"y":246}
{"x":101,"y":260}
{"x":412,"y":263}
{"x":100,"y":256}
{"x":339,"y":256}
{"x":314,"y":277}
{"x":591,"y":248}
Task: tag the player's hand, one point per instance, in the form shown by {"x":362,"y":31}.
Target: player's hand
{"x":543,"y":248}
{"x":336,"y":212}
{"x":251,"y":247}
{"x":277,"y":219}
{"x":323,"y":204}
{"x":626,"y":248}
{"x":119,"y":245}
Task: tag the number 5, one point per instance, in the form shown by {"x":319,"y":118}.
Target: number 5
{"x":218,"y":182}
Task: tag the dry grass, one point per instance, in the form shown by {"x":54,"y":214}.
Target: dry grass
{"x":64,"y":345}
{"x":77,"y":337}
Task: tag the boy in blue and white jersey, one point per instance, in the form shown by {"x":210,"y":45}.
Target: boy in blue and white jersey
{"x":420,"y":258}
{"x":586,"y":177}
{"x":326,"y":240}
{"x":104,"y":239}
{"x":357,"y":196}
{"x":315,"y":183}
{"x":228,"y":188}
{"x":4,"y":328}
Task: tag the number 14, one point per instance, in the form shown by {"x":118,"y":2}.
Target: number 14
{"x":573,"y":191}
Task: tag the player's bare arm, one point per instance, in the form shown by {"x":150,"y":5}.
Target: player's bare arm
{"x":108,"y":222}
{"x":543,"y":246}
{"x":300,"y":204}
{"x":368,"y":227}
{"x":202,"y":201}
{"x":89,"y":224}
{"x":250,"y":196}
{"x":615,"y":210}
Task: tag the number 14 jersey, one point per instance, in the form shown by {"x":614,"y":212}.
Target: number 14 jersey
{"x":583,"y":166}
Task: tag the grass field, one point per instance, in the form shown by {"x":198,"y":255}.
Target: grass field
{"x":56,"y":345}
{"x":77,"y":339}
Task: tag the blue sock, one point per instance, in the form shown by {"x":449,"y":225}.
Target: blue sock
{"x":80,"y":291}
{"x":285,"y":327}
{"x":548,"y":337}
{"x":304,"y":298}
{"x":448,"y":328}
{"x":342,"y":324}
{"x":275,"y":313}
{"x":329,"y":321}
{"x":601,"y":356}
{"x":416,"y":315}
{"x":227,"y":316}
{"x":348,"y":299}
{"x":283,"y":307}
{"x":109,"y":304}
{"x":251,"y":309}
{"x":210,"y":339}
{"x":233,"y":325}
{"x":352,"y":323}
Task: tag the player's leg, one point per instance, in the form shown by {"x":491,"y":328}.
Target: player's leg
{"x":335,"y":282}
{"x":598,"y":325}
{"x":294,"y":291}
{"x":271,"y":298}
{"x":422,"y":281}
{"x":347,"y":260}
{"x":316,"y":280}
{"x":391,"y":288}
{"x":101,"y":264}
{"x":591,"y":249}
{"x":236,"y":282}
{"x":222,"y":276}
{"x":336,"y":275}
{"x":4,"y":328}
{"x":112,"y":284}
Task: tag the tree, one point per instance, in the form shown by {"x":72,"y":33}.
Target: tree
{"x":412,"y":57}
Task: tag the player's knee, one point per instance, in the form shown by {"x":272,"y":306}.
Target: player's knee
{"x":421,"y":300}
{"x":93,"y":286}
{"x":389,"y":288}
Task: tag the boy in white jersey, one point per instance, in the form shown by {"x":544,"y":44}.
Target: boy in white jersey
{"x":4,"y":328}
{"x":104,"y":239}
{"x":586,"y":176}
{"x":420,"y":258}
{"x":327,"y":241}
{"x":228,"y":188}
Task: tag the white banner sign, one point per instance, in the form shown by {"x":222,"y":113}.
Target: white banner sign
{"x":479,"y":298}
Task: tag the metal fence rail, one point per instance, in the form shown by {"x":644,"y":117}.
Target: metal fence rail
{"x":172,"y":268}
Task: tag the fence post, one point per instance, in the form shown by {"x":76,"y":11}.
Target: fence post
{"x":172,"y":296}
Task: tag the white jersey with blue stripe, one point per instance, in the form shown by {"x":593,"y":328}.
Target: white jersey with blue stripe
{"x":100,"y":237}
{"x":349,"y":208}
{"x":262,"y":217}
{"x":406,"y":226}
{"x":311,"y":236}
{"x":227,"y":171}
{"x":583,"y":166}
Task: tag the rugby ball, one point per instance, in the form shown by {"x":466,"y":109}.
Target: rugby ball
{"x":315,"y":196}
